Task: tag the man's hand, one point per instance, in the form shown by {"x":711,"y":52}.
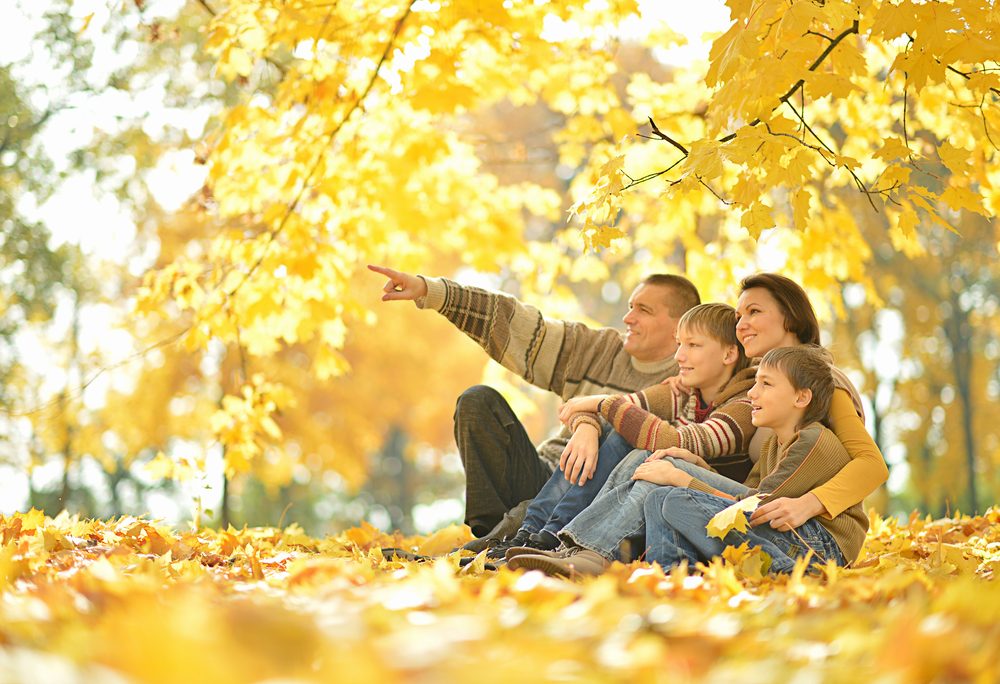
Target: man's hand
{"x":401,"y":286}
{"x":678,"y":452}
{"x":586,"y":404}
{"x":786,"y":514}
{"x":662,"y":473}
{"x":579,"y":459}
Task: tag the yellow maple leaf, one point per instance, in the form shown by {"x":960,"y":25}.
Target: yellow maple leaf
{"x":893,"y":148}
{"x":800,"y":209}
{"x":445,"y":540}
{"x":756,"y":219}
{"x":963,"y":198}
{"x":732,"y":518}
{"x":955,"y":158}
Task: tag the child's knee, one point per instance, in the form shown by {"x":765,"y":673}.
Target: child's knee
{"x":659,"y":500}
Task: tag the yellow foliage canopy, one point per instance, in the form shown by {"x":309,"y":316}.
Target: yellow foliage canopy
{"x":360,"y":139}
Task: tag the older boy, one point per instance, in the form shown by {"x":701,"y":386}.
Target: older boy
{"x":713,"y":422}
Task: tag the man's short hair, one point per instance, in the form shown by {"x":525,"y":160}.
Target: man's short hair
{"x":683,"y":294}
{"x":717,"y":321}
{"x":807,"y":366}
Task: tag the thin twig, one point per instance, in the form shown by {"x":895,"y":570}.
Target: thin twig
{"x":101,"y":371}
{"x":808,"y":128}
{"x":817,"y":33}
{"x":663,"y":136}
{"x":808,"y":546}
{"x":712,"y":190}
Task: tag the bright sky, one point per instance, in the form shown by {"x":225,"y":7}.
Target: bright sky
{"x":81,"y":214}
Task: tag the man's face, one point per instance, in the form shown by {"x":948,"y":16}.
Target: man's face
{"x":650,"y":330}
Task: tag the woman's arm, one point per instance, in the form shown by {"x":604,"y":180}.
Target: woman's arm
{"x":866,"y":471}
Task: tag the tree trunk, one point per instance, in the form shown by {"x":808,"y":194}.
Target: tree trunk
{"x":960,"y":332}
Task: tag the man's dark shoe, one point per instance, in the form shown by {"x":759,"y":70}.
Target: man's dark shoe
{"x":508,"y":525}
{"x":498,"y":549}
{"x":575,"y":562}
{"x":537,"y":542}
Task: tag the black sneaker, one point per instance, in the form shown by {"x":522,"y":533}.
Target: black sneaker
{"x":499,"y":549}
{"x":539,"y":541}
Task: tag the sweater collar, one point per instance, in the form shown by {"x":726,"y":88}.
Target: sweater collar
{"x":652,"y":367}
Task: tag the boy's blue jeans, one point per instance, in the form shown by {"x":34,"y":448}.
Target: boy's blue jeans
{"x":560,"y":501}
{"x":618,"y":511}
{"x":675,"y":530}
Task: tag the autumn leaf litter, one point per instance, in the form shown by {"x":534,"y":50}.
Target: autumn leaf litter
{"x":130,"y":600}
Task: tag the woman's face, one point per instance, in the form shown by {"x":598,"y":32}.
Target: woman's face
{"x":760,"y":323}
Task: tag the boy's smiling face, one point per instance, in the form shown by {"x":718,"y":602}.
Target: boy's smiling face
{"x":774,"y":403}
{"x":702,"y":360}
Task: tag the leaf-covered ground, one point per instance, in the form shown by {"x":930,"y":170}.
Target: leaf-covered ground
{"x":129,"y":600}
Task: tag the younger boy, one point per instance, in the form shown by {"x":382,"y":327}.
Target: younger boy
{"x":713,"y":422}
{"x":791,"y":395}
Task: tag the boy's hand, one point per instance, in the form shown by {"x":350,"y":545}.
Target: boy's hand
{"x":678,"y":452}
{"x":785,"y":514}
{"x":579,"y":459}
{"x":662,"y":473}
{"x":586,"y":404}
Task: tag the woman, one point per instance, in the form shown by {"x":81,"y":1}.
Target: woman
{"x":774,"y":311}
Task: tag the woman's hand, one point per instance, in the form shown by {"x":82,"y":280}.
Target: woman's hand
{"x":785,"y":514}
{"x":662,"y":473}
{"x":586,"y":404}
{"x":579,"y":459}
{"x":678,"y":452}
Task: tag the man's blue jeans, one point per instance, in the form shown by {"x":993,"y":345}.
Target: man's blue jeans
{"x":618,"y":512}
{"x":675,"y":530}
{"x":560,"y":500}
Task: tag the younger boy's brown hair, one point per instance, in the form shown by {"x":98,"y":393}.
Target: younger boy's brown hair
{"x":807,"y":366}
{"x":717,"y":321}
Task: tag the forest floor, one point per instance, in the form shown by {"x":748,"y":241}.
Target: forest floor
{"x":131,"y":600}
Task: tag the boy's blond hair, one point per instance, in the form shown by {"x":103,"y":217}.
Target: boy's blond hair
{"x":717,"y":321}
{"x":807,"y":366}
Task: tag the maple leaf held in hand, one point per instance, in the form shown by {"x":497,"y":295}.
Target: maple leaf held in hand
{"x":732,"y":517}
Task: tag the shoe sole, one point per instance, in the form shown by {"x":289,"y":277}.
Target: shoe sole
{"x":527,"y":550}
{"x":547,"y":565}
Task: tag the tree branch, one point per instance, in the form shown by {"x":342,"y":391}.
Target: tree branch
{"x":852,"y":29}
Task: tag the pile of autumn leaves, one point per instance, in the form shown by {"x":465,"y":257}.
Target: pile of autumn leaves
{"x":129,"y":600}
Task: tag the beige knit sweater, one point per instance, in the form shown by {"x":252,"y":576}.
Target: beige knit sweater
{"x":565,"y":357}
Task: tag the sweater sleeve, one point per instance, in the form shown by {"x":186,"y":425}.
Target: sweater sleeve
{"x":517,"y":336}
{"x":866,"y":470}
{"x":752,"y":481}
{"x":723,"y":432}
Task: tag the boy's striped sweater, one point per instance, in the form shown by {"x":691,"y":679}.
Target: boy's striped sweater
{"x":657,"y":418}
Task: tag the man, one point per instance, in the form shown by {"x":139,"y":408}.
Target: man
{"x":503,"y":469}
